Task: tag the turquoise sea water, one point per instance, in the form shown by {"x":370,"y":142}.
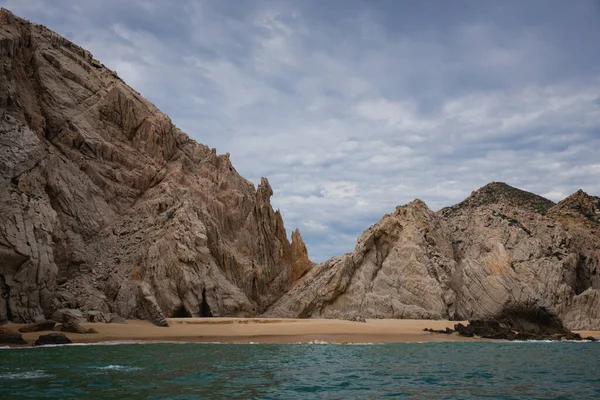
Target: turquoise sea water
{"x":304,"y":371}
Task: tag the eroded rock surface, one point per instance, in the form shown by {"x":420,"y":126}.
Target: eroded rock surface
{"x":501,"y":247}
{"x":106,"y":206}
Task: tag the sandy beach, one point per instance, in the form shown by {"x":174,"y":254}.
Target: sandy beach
{"x":269,"y":330}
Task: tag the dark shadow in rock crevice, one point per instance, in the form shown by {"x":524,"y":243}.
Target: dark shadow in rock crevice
{"x":181,"y":312}
{"x":204,"y":307}
{"x":5,"y":300}
{"x":582,"y":275}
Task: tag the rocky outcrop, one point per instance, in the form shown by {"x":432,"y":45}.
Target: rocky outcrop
{"x":106,"y":206}
{"x":300,"y":261}
{"x":73,"y":325}
{"x":39,"y":327}
{"x":400,"y":268}
{"x":501,"y":248}
{"x":520,"y":322}
{"x":8,"y":336}
{"x":52,"y":338}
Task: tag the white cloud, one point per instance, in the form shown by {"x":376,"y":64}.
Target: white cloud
{"x":352,"y":116}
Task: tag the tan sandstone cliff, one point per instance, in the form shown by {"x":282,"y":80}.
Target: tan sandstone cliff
{"x":500,"y":247}
{"x":106,"y":205}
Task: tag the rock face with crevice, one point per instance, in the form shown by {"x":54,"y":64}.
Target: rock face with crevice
{"x":500,"y":248}
{"x":105,"y":205}
{"x":107,"y":208}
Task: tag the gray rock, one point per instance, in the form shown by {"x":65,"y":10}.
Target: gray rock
{"x":65,"y":314}
{"x":117,"y":319}
{"x":97,"y":316}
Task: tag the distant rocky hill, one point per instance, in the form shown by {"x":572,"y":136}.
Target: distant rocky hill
{"x":499,"y":248}
{"x":106,"y":206}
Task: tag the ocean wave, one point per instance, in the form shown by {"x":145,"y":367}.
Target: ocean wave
{"x":25,"y":375}
{"x":118,"y":368}
{"x":337,"y":343}
{"x":549,"y":341}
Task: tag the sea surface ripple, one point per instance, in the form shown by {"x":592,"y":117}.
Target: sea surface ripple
{"x":304,"y":371}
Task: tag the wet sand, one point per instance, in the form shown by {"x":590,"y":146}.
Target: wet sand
{"x":269,"y":330}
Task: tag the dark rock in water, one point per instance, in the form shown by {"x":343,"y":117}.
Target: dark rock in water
{"x":520,"y":322}
{"x":39,"y":327}
{"x":533,"y":318}
{"x":52,"y":338}
{"x":117,"y":319}
{"x":446,"y":331}
{"x":8,"y":336}
{"x":463,"y":330}
{"x":591,"y":339}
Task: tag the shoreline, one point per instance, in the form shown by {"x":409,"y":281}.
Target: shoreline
{"x":268,"y":330}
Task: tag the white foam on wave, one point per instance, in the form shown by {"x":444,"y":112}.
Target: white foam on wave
{"x":548,"y":341}
{"x":337,"y":343}
{"x":25,"y":375}
{"x":118,"y":368}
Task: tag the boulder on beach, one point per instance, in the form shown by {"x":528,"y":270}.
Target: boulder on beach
{"x":39,"y":327}
{"x":52,"y":338}
{"x":9,"y":336}
{"x":117,"y":319}
{"x":71,"y":324}
{"x":97,"y":316}
{"x":67,"y":314}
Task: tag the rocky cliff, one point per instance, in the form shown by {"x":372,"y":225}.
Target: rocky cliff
{"x":106,"y":205}
{"x":500,"y":248}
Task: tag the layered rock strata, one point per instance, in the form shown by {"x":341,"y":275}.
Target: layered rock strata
{"x":500,"y":248}
{"x":105,"y":205}
{"x":108,"y":208}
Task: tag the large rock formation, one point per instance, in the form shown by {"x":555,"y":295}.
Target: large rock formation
{"x":500,"y":248}
{"x":105,"y":205}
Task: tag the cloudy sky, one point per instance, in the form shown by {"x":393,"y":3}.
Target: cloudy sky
{"x":353,"y":107}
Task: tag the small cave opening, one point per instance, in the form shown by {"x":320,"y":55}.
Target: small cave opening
{"x":5,"y":295}
{"x":181,"y":312}
{"x":204,"y":307}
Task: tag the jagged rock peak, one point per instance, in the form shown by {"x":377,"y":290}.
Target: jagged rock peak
{"x":264,"y":191}
{"x":578,"y":204}
{"x":500,"y":192}
{"x":301,"y":264}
